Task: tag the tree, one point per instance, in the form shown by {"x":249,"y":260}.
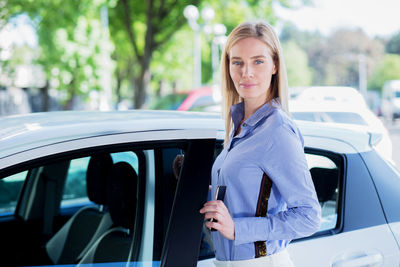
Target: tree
{"x":72,"y":43}
{"x":388,"y":69}
{"x":393,"y":45}
{"x":146,"y":26}
{"x":296,"y":61}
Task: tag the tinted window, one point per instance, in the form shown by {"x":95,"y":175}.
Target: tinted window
{"x":325,"y":175}
{"x":10,"y":188}
{"x":75,"y":184}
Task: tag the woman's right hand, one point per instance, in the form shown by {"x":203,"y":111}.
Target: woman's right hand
{"x":222,"y":220}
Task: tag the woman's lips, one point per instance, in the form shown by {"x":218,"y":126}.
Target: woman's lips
{"x":247,"y":85}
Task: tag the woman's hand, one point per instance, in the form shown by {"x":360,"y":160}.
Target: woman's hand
{"x":217,"y":210}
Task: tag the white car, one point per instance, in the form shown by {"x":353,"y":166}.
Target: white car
{"x":338,"y":94}
{"x":347,"y":115}
{"x":391,"y":99}
{"x":104,"y":189}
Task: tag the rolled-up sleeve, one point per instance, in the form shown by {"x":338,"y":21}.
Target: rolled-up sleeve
{"x":285,"y":163}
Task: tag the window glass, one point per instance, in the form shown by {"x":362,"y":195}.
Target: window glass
{"x":304,"y":116}
{"x":325,"y":175}
{"x":127,"y":156}
{"x":10,"y":188}
{"x":75,"y":184}
{"x":346,"y":117}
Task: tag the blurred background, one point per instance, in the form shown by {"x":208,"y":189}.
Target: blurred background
{"x":164,"y":54}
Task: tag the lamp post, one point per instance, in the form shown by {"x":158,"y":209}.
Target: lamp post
{"x":192,"y":14}
{"x":218,"y":42}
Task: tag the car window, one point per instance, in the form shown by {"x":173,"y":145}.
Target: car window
{"x":325,"y":175}
{"x":10,"y":188}
{"x":75,"y":183}
{"x":75,"y":192}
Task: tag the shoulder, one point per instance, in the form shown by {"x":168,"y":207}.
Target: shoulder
{"x":281,"y":126}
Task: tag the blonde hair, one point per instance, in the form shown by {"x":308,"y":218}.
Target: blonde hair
{"x":278,"y":88}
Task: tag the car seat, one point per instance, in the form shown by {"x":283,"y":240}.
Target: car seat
{"x":115,"y":244}
{"x":77,"y":235}
{"x":325,"y":183}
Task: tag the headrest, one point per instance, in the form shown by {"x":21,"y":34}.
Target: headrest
{"x":325,"y":182}
{"x":96,"y":178}
{"x":122,"y":187}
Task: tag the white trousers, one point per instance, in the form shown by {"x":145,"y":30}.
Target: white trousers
{"x":280,"y":259}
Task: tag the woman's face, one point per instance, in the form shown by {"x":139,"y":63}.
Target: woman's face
{"x":251,"y":68}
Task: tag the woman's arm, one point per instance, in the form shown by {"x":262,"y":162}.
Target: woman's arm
{"x":286,"y":165}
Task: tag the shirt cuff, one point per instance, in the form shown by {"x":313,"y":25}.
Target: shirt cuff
{"x":250,"y":230}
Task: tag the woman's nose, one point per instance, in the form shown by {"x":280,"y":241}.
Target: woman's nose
{"x":248,"y":71}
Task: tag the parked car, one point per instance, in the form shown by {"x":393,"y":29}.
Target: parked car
{"x":344,"y":113}
{"x":193,"y":100}
{"x":93,"y":187}
{"x":337,"y":94}
{"x":391,"y":99}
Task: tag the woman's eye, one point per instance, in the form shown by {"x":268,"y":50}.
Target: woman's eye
{"x":237,"y":63}
{"x":259,"y":61}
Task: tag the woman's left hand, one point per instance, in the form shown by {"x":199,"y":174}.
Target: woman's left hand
{"x":217,"y":210}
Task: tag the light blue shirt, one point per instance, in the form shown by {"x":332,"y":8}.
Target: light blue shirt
{"x":271,"y":143}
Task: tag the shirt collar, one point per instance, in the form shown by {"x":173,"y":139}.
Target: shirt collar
{"x":237,"y":112}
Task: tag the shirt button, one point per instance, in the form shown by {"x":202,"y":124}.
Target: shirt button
{"x":244,"y":124}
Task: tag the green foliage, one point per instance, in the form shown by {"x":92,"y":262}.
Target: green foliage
{"x":296,"y":61}
{"x":151,"y":42}
{"x":334,"y":59}
{"x":393,"y":46}
{"x":388,"y":69}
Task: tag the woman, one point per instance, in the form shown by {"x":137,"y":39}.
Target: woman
{"x":270,"y":197}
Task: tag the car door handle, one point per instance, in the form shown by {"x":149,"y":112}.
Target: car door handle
{"x":366,"y":260}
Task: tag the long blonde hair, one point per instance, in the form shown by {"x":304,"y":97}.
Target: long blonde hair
{"x":278,"y":88}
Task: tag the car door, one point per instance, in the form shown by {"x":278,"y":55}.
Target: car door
{"x":359,"y":234}
{"x":167,"y":219}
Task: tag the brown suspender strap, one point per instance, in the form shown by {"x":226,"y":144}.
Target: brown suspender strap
{"x":262,"y":208}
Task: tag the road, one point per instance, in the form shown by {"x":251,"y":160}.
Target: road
{"x":394,"y":130}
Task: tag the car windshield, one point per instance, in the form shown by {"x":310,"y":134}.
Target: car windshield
{"x":346,"y":117}
{"x":304,"y":116}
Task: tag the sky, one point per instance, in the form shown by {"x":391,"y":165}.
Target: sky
{"x":375,"y":17}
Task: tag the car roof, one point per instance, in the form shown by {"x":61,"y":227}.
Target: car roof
{"x":340,"y":138}
{"x":24,"y":132}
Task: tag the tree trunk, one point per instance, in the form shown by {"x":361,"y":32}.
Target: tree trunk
{"x":141,"y":83}
{"x":44,"y":91}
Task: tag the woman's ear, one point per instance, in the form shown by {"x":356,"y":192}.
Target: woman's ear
{"x":274,"y":68}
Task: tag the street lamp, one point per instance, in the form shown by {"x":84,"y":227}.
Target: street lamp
{"x":218,"y":42}
{"x":191,"y":13}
